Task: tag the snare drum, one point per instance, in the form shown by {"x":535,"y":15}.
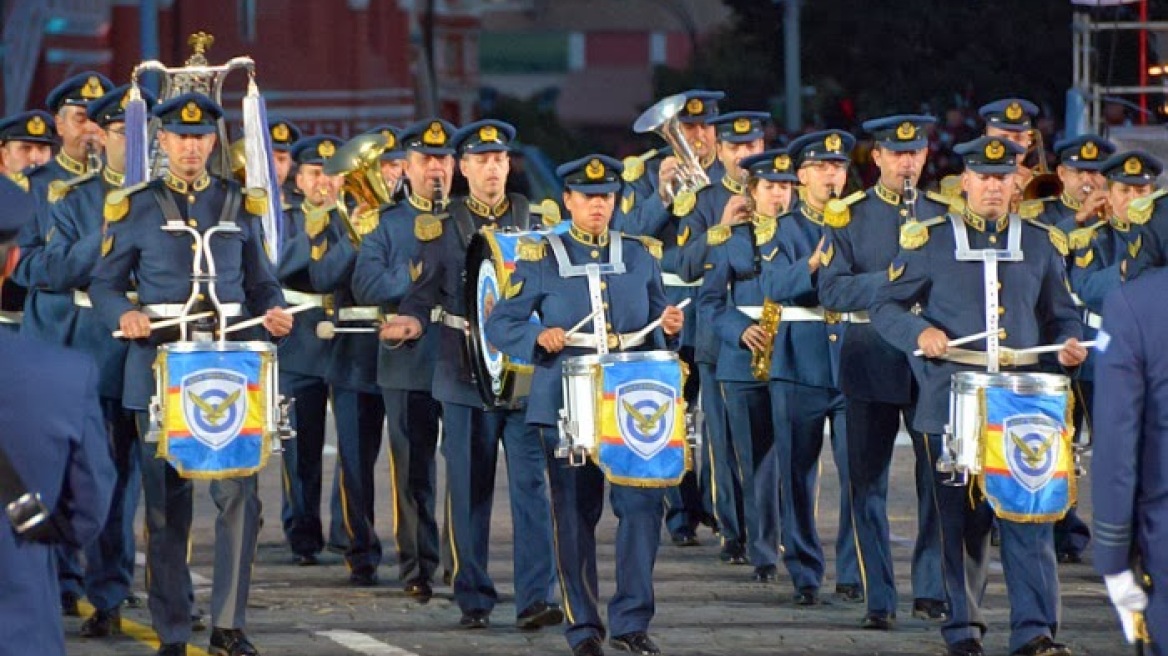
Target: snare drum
{"x":216,"y":407}
{"x":502,"y":381}
{"x":626,"y":412}
{"x":1013,"y":432}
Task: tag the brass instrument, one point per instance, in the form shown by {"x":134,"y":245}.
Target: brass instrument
{"x":1139,"y":210}
{"x":760,"y":361}
{"x":1044,"y":183}
{"x":662,"y":119}
{"x":909,"y":193}
{"x":358,"y":162}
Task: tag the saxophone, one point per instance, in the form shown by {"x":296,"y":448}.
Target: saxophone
{"x":760,"y":361}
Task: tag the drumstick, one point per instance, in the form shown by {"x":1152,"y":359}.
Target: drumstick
{"x":167,"y":323}
{"x":959,"y":341}
{"x":580,"y":324}
{"x":1054,"y":348}
{"x":640,"y":334}
{"x":259,"y":320}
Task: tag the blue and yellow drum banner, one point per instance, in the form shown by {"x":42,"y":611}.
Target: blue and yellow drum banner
{"x":1028,"y":474}
{"x":642,"y":424}
{"x":214,"y":412}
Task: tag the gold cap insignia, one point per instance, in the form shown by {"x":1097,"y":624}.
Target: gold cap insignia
{"x":1133,"y":166}
{"x":326,"y":149}
{"x":594,"y":170}
{"x":695,"y":106}
{"x":906,"y":131}
{"x":280,"y":132}
{"x":192,"y":113}
{"x":995,"y":150}
{"x":488,"y":133}
{"x":1089,"y":150}
{"x":782,"y":162}
{"x":390,"y":140}
{"x":1014,"y":111}
{"x":92,"y":89}
{"x":833,"y":143}
{"x":36,"y":126}
{"x":741,"y":126}
{"x":435,"y":135}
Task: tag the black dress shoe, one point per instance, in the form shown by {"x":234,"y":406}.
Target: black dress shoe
{"x":173,"y":649}
{"x":807,"y":597}
{"x":1070,"y":558}
{"x":733,"y":555}
{"x":365,"y":578}
{"x":685,"y":538}
{"x":590,"y":647}
{"x":967,"y":647}
{"x":198,"y":620}
{"x":539,"y":615}
{"x":102,"y":623}
{"x":475,"y":619}
{"x":307,"y":560}
{"x":852,"y":594}
{"x":69,"y":607}
{"x":878,"y":622}
{"x":933,"y":610}
{"x":419,"y":589}
{"x":1043,"y":646}
{"x":230,"y":642}
{"x":637,"y":642}
{"x":765,"y":574}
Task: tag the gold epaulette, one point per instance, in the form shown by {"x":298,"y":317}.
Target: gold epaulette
{"x":684,"y":203}
{"x":1031,"y":209}
{"x":255,"y":200}
{"x":549,"y":212}
{"x":1057,"y":238}
{"x":653,"y":246}
{"x":718,"y":234}
{"x":915,"y":234}
{"x":938,"y":197}
{"x":1081,"y":238}
{"x":427,"y":227}
{"x":837,"y":213}
{"x":58,"y":189}
{"x":530,"y":250}
{"x":117,"y":202}
{"x":634,"y":168}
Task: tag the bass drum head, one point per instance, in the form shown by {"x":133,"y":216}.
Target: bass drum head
{"x":483,"y":289}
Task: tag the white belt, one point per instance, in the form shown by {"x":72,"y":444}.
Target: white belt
{"x":1007,"y":357}
{"x":81,"y":299}
{"x":359,"y":313}
{"x":796,"y":313}
{"x":588,"y":340}
{"x":7,"y":317}
{"x":173,"y":310}
{"x":1078,"y":301}
{"x":294,"y":297}
{"x":438,"y":315}
{"x":1092,"y":320}
{"x":674,"y":280}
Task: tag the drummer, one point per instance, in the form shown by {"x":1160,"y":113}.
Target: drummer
{"x":1034,"y":308}
{"x":136,"y":249}
{"x":626,"y":302}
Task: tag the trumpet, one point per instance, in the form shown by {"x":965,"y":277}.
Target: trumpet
{"x":662,"y":119}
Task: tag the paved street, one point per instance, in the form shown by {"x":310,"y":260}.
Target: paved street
{"x":703,"y":607}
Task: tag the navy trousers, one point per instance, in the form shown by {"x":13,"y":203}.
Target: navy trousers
{"x":360,"y":418}
{"x":726,"y":483}
{"x":413,"y":445}
{"x":752,"y":433}
{"x":302,"y":474}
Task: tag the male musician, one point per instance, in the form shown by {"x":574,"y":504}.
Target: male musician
{"x":942,"y":270}
{"x":1012,"y":119}
{"x":472,"y":433}
{"x":26,"y":141}
{"x":550,"y":279}
{"x":283,"y":135}
{"x":1131,"y":465}
{"x":1084,"y":194}
{"x":731,"y":298}
{"x":803,"y":377}
{"x":303,"y":356}
{"x":385,"y":268}
{"x":740,"y":135}
{"x":874,"y":377}
{"x":135,"y":248}
{"x":392,"y":158}
{"x":70,"y":256}
{"x":645,"y":212}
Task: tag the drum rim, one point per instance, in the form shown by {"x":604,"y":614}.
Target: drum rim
{"x":1019,"y":382}
{"x":590,"y":360}
{"x":205,"y":347}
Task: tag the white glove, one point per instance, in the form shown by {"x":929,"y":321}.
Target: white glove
{"x":1128,"y":598}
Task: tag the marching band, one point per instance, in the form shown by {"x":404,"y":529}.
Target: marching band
{"x":683,"y":342}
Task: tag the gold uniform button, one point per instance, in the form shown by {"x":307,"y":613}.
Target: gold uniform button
{"x":192,"y":223}
{"x":603,"y":285}
{"x":904,"y":212}
{"x":604,"y":305}
{"x":1001,"y":310}
{"x":595,"y":254}
{"x":999,"y":284}
{"x":194,"y":247}
{"x":191,"y":199}
{"x":1002,"y":334}
{"x":993,"y":239}
{"x":832,"y":338}
{"x":613,"y":341}
{"x":608,"y":325}
{"x":201,"y":297}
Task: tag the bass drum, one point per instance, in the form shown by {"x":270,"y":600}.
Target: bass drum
{"x":502,"y":381}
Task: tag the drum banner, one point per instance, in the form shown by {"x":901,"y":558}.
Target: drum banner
{"x":214,"y":415}
{"x":1029,"y":465}
{"x":642,"y":424}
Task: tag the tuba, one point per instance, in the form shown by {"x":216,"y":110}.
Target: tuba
{"x":662,"y":119}
{"x":358,"y":162}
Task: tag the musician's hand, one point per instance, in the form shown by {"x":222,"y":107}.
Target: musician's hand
{"x":134,"y":325}
{"x":933,"y":342}
{"x":1128,"y":598}
{"x":735,"y":211}
{"x":400,"y":329}
{"x":1094,"y":205}
{"x":754,"y":338}
{"x":667,"y":173}
{"x":278,"y":322}
{"x":1072,"y":354}
{"x":672,"y":320}
{"x":551,"y":340}
{"x":816,"y":258}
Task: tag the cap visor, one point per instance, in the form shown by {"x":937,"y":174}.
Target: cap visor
{"x":992,"y":169}
{"x":431,"y":150}
{"x":903,"y":146}
{"x":598,"y":188}
{"x":189,"y":129}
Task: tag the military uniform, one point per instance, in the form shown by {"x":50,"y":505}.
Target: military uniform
{"x":1035,"y":308}
{"x":1130,"y":467}
{"x":877,"y":382}
{"x":135,"y":247}
{"x":631,"y":300}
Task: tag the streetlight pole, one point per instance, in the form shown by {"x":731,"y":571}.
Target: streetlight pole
{"x":791,"y":65}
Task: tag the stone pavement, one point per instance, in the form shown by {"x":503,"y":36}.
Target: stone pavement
{"x":703,"y":606}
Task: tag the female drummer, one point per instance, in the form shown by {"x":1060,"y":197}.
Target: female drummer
{"x":552,"y":280}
